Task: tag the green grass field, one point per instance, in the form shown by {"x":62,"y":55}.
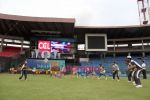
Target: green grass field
{"x":43,"y":87}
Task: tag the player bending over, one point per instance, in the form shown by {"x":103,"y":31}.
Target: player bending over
{"x":102,"y":72}
{"x":137,"y":68}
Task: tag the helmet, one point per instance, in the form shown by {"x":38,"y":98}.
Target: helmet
{"x":129,"y":57}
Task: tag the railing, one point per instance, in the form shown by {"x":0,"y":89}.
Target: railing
{"x":127,"y":49}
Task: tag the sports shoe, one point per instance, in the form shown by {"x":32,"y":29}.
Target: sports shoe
{"x":134,"y":83}
{"x":138,"y":86}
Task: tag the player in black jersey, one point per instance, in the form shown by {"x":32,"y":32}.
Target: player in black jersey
{"x":23,"y":71}
{"x":129,"y":72}
{"x":136,"y":69}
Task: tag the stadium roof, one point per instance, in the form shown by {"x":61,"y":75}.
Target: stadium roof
{"x":26,"y":27}
{"x":114,"y":32}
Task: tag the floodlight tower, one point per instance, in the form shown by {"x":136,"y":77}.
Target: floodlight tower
{"x":144,"y":11}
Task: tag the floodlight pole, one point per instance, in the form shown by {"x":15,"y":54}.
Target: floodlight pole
{"x":1,"y":46}
{"x":144,"y":11}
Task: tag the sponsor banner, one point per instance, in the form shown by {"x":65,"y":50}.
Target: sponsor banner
{"x":44,"y":64}
{"x":44,"y":45}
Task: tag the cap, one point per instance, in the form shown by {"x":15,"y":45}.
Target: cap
{"x":129,"y":57}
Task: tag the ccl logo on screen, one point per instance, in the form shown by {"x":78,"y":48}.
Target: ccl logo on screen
{"x":44,"y":45}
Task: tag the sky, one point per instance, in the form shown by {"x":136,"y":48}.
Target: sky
{"x":85,"y":12}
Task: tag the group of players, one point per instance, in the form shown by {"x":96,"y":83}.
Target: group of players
{"x":134,"y":70}
{"x":96,"y":71}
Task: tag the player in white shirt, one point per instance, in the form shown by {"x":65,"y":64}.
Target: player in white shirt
{"x":144,"y":70}
{"x":115,"y":70}
{"x":137,"y":68}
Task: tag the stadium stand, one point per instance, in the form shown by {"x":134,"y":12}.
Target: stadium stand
{"x":10,"y":51}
